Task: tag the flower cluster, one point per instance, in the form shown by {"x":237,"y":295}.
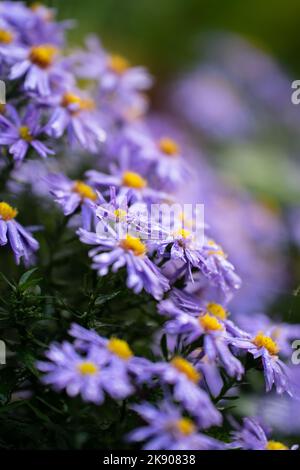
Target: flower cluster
{"x":114,"y":167}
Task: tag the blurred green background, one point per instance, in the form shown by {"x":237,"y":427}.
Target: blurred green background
{"x":163,"y":33}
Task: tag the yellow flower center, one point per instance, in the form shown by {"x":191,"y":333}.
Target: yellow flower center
{"x":217,"y":310}
{"x":186,"y":368}
{"x":6,"y":37}
{"x":262,"y":341}
{"x":2,"y":108}
{"x":120,"y":348}
{"x":84,"y":190}
{"x":118,"y":64}
{"x":275,"y":445}
{"x":210,"y":323}
{"x":7,"y":212}
{"x":83,"y":104}
{"x":120,"y":214}
{"x":182,"y":233}
{"x":133,"y":244}
{"x":133,"y":180}
{"x":87,"y":368}
{"x":185,"y":426}
{"x":25,"y":134}
{"x":43,"y":55}
{"x":168,"y":146}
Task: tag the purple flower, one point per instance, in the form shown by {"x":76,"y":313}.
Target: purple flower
{"x":131,"y":252}
{"x":90,"y":374}
{"x":116,"y":351}
{"x":167,"y":166}
{"x":167,"y":429}
{"x":21,"y":134}
{"x":253,"y":437}
{"x":282,"y":333}
{"x":20,"y":240}
{"x":192,"y":320}
{"x":39,"y":65}
{"x":275,"y":371}
{"x":75,"y":114}
{"x":131,"y":184}
{"x":71,"y":195}
{"x":184,"y":378}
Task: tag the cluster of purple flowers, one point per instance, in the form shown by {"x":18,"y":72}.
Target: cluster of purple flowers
{"x":135,"y":167}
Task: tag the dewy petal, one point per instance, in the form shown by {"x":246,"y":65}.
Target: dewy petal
{"x":3,"y":232}
{"x":14,"y":238}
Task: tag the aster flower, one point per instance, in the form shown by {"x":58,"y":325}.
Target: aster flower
{"x":89,"y":375}
{"x":116,"y":351}
{"x":251,"y":436}
{"x":210,"y":322}
{"x":167,"y":429}
{"x":71,"y":195}
{"x":39,"y":66}
{"x":130,"y":184}
{"x":20,"y":240}
{"x":75,"y":114}
{"x":23,"y":133}
{"x":111,"y":250}
{"x":185,"y":378}
{"x":281,"y":332}
{"x":163,"y":155}
{"x":275,"y":371}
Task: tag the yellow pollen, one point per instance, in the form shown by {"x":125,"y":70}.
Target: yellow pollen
{"x":217,"y":250}
{"x":217,"y":310}
{"x":87,"y":368}
{"x":210,"y":323}
{"x":7,"y":212}
{"x":266,"y":342}
{"x":120,"y":214}
{"x":24,"y":133}
{"x":133,"y":180}
{"x":133,"y":244}
{"x":6,"y":37}
{"x":83,"y":104}
{"x":185,"y":426}
{"x":43,"y":55}
{"x":183,"y":233}
{"x":2,"y":108}
{"x":275,"y":445}
{"x":118,"y":64}
{"x":168,"y":146}
{"x":120,"y":348}
{"x":84,"y":190}
{"x":186,"y":368}
{"x":70,"y":98}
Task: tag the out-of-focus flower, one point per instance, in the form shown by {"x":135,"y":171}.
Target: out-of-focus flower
{"x":23,"y":133}
{"x":251,"y":436}
{"x":89,"y":375}
{"x":71,"y":195}
{"x":75,"y":114}
{"x":21,"y":241}
{"x":168,"y":429}
{"x":185,"y":378}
